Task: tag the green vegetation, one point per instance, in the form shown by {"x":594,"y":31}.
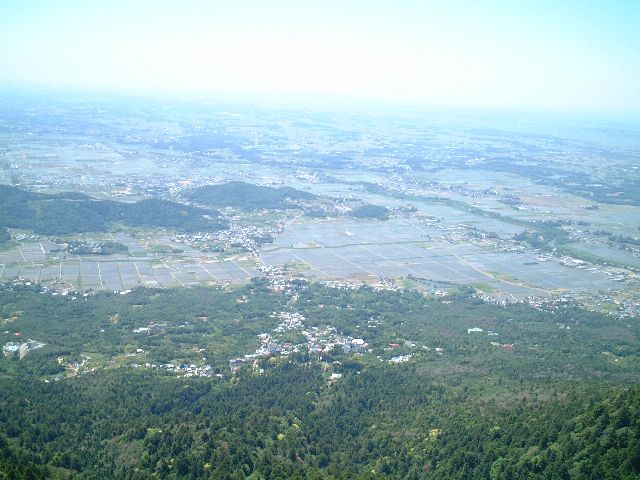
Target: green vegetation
{"x":580,"y":254}
{"x":617,"y":191}
{"x":371,"y":211}
{"x":624,"y":239}
{"x":316,"y":213}
{"x":558,"y":403}
{"x":484,"y":287}
{"x":232,"y":326}
{"x":388,"y":422}
{"x":4,"y":236}
{"x":63,"y":214}
{"x":550,"y":237}
{"x":546,"y":236}
{"x":249,"y":197}
{"x":607,"y":187}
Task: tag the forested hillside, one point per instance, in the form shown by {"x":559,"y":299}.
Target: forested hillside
{"x":104,"y":396}
{"x":68,"y":213}
{"x":386,"y":422}
{"x":248,"y":196}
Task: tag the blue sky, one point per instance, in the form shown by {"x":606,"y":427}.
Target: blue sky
{"x":544,"y":55}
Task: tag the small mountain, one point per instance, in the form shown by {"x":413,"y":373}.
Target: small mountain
{"x":63,"y":214}
{"x":248,"y":196}
{"x":371,"y":211}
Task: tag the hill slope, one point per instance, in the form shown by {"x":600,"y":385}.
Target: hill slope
{"x":248,"y":196}
{"x":75,"y":213}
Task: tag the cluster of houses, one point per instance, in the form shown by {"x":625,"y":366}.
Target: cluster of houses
{"x":341,"y":284}
{"x":288,"y":321}
{"x":183,"y":370}
{"x":382,"y":283}
{"x":319,"y":341}
{"x":271,"y":270}
{"x":421,"y":188}
{"x":280,"y":279}
{"x":21,"y":349}
{"x":151,"y":328}
{"x":507,"y":346}
{"x":246,"y":237}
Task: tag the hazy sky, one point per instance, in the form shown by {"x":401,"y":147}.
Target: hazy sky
{"x":560,"y":54}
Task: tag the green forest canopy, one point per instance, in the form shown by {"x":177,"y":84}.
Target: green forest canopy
{"x":67,"y":213}
{"x":248,"y":196}
{"x":553,"y":407}
{"x":371,"y":211}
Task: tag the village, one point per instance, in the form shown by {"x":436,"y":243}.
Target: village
{"x":318,"y":341}
{"x":247,"y":238}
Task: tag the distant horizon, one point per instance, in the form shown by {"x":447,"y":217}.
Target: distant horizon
{"x":325,"y":104}
{"x":574,"y":57}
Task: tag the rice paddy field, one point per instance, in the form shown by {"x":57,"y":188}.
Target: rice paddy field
{"x":344,"y":249}
{"x":35,"y":262}
{"x":411,"y":160}
{"x":404,"y":247}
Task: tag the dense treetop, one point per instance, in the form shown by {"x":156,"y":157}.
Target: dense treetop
{"x":371,"y":211}
{"x":559,"y":403}
{"x":68,"y":213}
{"x":248,"y":196}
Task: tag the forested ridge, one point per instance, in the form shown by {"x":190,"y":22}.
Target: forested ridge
{"x":248,"y":196}
{"x":371,"y":211}
{"x":291,"y":423}
{"x":66,"y":213}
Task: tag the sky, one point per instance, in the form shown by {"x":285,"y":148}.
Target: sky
{"x":519,"y":54}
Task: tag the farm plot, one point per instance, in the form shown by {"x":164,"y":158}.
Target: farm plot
{"x":401,"y":248}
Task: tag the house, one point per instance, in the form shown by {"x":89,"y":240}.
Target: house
{"x":22,"y":349}
{"x":401,"y":359}
{"x":10,"y":348}
{"x":474,"y":330}
{"x":356,"y":345}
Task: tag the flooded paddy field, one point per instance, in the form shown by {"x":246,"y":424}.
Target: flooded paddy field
{"x":125,"y":274}
{"x":35,"y":262}
{"x":404,"y":247}
{"x":422,"y":247}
